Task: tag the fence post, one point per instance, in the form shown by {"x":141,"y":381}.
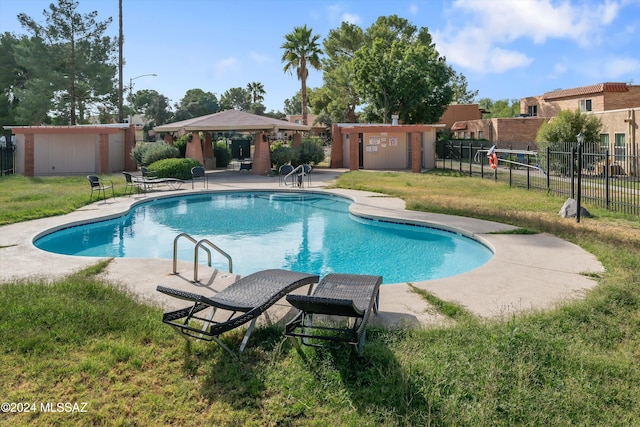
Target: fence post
{"x":481,"y":161}
{"x":548,"y":170}
{"x":460,"y":157}
{"x":510,"y":168}
{"x":573,"y":173}
{"x":579,"y":181}
{"x":606,"y":178}
{"x":528,"y":171}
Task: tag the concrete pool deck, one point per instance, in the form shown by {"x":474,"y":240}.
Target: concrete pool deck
{"x":527,"y":272}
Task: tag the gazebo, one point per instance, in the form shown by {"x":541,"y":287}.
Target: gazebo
{"x":232,"y":120}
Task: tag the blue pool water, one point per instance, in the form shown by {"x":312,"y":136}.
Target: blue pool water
{"x":296,"y":231}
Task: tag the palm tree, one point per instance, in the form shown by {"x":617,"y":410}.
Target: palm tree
{"x":301,"y":48}
{"x":256,"y":89}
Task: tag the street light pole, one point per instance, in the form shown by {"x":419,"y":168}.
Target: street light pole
{"x":131,"y":91}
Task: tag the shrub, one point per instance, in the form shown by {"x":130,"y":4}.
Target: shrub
{"x":223,"y":154}
{"x":173,"y":168}
{"x":146,"y":153}
{"x":280,"y":154}
{"x":309,"y":152}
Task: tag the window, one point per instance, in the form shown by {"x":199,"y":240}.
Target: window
{"x":604,"y":141}
{"x":480,"y":134}
{"x":471,"y":135}
{"x":619,"y":147}
{"x":532,"y":110}
{"x":585,"y":105}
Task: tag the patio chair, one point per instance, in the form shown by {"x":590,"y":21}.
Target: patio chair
{"x":283,"y":172}
{"x":198,"y":172}
{"x":131,"y":183}
{"x":347,"y":298}
{"x":246,"y":299}
{"x":101,"y":186}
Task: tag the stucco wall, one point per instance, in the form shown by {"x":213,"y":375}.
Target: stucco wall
{"x":385,"y":147}
{"x":385,"y":150}
{"x":50,"y":150}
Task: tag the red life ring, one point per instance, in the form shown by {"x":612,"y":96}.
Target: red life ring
{"x":493,"y":161}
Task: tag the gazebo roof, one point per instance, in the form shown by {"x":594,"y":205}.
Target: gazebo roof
{"x":231,"y":120}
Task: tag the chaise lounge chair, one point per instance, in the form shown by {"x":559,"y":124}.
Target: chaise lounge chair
{"x":246,"y":299}
{"x":150,"y":180}
{"x":349,"y":296}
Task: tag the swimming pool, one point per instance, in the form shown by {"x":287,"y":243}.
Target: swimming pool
{"x":308,"y":232}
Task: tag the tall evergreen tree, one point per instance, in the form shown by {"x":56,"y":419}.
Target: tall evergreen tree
{"x":69,"y":61}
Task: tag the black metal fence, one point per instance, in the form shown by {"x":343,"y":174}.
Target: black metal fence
{"x":7,"y":159}
{"x":592,"y":175}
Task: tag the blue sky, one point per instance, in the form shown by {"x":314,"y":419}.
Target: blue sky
{"x":507,"y":49}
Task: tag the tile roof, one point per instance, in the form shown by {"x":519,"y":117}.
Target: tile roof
{"x":586,"y":90}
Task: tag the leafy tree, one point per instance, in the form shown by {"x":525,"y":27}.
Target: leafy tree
{"x":236,"y":98}
{"x":500,"y":108}
{"x":257,"y":108}
{"x":69,"y":63}
{"x":338,"y":98}
{"x":561,"y":133}
{"x":461,"y":92}
{"x":196,"y":103}
{"x":301,"y":49}
{"x":565,"y":127}
{"x":399,"y":71}
{"x":256,"y":91}
{"x":293,"y":105}
{"x":12,"y":78}
{"x":276,"y":115}
{"x":153,"y":105}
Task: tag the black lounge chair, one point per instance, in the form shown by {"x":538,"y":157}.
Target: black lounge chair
{"x":246,"y":299}
{"x":101,"y":186}
{"x":350,"y":296}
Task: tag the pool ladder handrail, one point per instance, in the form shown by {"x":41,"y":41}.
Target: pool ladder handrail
{"x":198,"y":245}
{"x":298,"y":171}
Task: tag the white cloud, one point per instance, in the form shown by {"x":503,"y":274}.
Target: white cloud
{"x":221,"y":67}
{"x":618,"y":67}
{"x":559,"y":69}
{"x":413,"y":9}
{"x":260,"y":58}
{"x":501,"y":60}
{"x":478,"y":30}
{"x":350,"y":18}
{"x":337,"y":15}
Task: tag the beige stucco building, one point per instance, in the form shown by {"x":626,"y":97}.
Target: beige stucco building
{"x":615,"y":104}
{"x":383,"y":147}
{"x":73,"y":150}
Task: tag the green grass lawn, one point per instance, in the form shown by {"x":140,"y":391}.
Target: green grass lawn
{"x":80,"y":340}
